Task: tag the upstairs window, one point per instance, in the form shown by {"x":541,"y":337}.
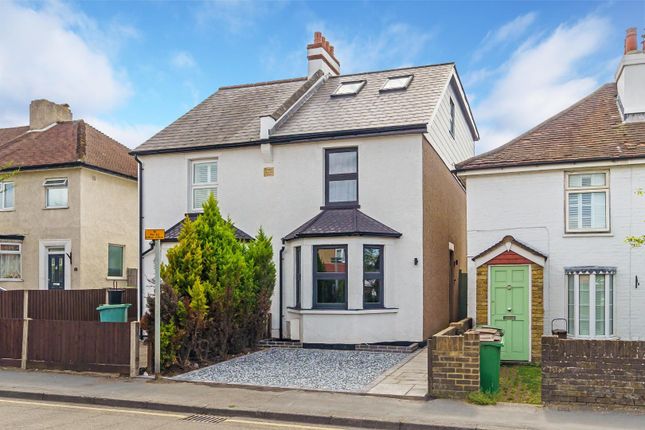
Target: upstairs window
{"x":341,"y":177}
{"x":397,"y":83}
{"x":587,"y":200}
{"x":348,"y":88}
{"x":56,"y":193}
{"x":6,"y":195}
{"x":10,"y":261}
{"x":452,"y":118}
{"x":203,"y":183}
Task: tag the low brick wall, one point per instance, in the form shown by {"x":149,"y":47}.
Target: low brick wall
{"x":387,"y":348}
{"x":593,"y":372}
{"x":275,"y":343}
{"x":453,"y":361}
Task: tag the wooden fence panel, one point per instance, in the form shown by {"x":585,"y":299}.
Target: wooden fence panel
{"x":79,"y":345}
{"x":75,"y":305}
{"x":10,"y":342}
{"x":11,"y":303}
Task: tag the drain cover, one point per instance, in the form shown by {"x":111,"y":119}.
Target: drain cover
{"x":205,"y":419}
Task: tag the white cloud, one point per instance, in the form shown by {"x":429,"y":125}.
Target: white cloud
{"x":43,"y":55}
{"x":236,"y":15}
{"x":129,"y":134}
{"x":508,"y":32}
{"x":541,"y":78}
{"x":183,"y":60}
{"x":398,"y":44}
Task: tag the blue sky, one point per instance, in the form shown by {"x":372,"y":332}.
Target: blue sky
{"x":130,"y":68}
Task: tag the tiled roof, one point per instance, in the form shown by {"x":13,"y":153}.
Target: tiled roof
{"x":231,"y":116}
{"x":172,"y":234}
{"x":371,"y":108}
{"x":65,"y":143}
{"x":341,"y":222}
{"x":590,"y":130}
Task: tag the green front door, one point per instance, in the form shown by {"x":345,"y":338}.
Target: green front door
{"x":509,"y":309}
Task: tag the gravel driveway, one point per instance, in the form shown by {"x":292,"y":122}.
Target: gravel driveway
{"x":315,"y":369}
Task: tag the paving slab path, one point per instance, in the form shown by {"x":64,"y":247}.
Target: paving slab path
{"x":340,"y":409}
{"x":409,"y":378}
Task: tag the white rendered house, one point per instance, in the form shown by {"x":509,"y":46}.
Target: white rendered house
{"x":548,"y":218}
{"x":352,"y":177}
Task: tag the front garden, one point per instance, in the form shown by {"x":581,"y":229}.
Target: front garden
{"x":216,"y":293}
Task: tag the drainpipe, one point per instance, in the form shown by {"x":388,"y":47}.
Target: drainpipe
{"x":140,"y":236}
{"x":280,"y":290}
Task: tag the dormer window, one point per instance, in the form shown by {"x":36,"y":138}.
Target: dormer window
{"x":349,"y":88}
{"x":397,"y":83}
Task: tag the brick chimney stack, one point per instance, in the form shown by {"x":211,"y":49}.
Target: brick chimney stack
{"x":43,"y":113}
{"x":320,"y":56}
{"x":630,"y":79}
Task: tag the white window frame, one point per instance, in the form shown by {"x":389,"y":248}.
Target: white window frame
{"x":339,"y":92}
{"x":56,"y":183}
{"x":19,"y":253}
{"x":609,"y":318}
{"x":123,"y":274}
{"x":3,"y":198}
{"x":591,"y":189}
{"x":194,"y":186}
{"x":405,"y":83}
{"x":452,"y":120}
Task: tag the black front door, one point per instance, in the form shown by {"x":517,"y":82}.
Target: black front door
{"x":56,"y":271}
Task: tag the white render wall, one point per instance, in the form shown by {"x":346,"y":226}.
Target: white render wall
{"x":390,"y":191}
{"x":530,"y":207}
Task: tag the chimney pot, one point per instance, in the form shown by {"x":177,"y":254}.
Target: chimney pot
{"x":317,"y":37}
{"x":630,"y":40}
{"x":331,"y":48}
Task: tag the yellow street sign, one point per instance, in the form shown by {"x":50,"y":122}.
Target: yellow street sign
{"x":155,"y":234}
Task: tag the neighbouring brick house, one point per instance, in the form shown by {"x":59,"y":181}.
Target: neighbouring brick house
{"x":548,"y":215}
{"x":68,"y":217}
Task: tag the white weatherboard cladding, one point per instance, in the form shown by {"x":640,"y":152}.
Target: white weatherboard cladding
{"x":390,"y":190}
{"x":530,"y":207}
{"x":451,"y":149}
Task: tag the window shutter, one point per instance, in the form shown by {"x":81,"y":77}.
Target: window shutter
{"x":574,"y":211}
{"x":585,"y":210}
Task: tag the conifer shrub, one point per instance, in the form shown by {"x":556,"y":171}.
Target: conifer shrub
{"x":216,"y":293}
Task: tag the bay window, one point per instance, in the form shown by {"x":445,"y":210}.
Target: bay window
{"x":590,"y":301}
{"x":341,"y":177}
{"x":203,"y":182}
{"x":6,"y":195}
{"x":372,"y":276}
{"x":330,"y":276}
{"x":587,"y":202}
{"x":10,"y":261}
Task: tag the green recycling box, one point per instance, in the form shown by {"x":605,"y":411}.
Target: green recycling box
{"x":114,"y":313}
{"x":489,"y":364}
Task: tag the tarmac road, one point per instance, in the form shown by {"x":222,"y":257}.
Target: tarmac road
{"x":28,"y":414}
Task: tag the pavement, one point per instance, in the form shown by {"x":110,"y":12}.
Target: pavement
{"x":297,"y":406}
{"x":408,"y":379}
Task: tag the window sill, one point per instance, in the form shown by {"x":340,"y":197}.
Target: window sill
{"x":340,"y":206}
{"x":611,"y":337}
{"x":8,"y":210}
{"x":589,"y":234}
{"x":343,"y":311}
{"x":11,"y":280}
{"x":55,"y":208}
{"x":116,"y":278}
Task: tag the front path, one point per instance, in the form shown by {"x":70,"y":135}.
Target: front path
{"x":409,"y":378}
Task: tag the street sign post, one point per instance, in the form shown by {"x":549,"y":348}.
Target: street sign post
{"x":157,"y":235}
